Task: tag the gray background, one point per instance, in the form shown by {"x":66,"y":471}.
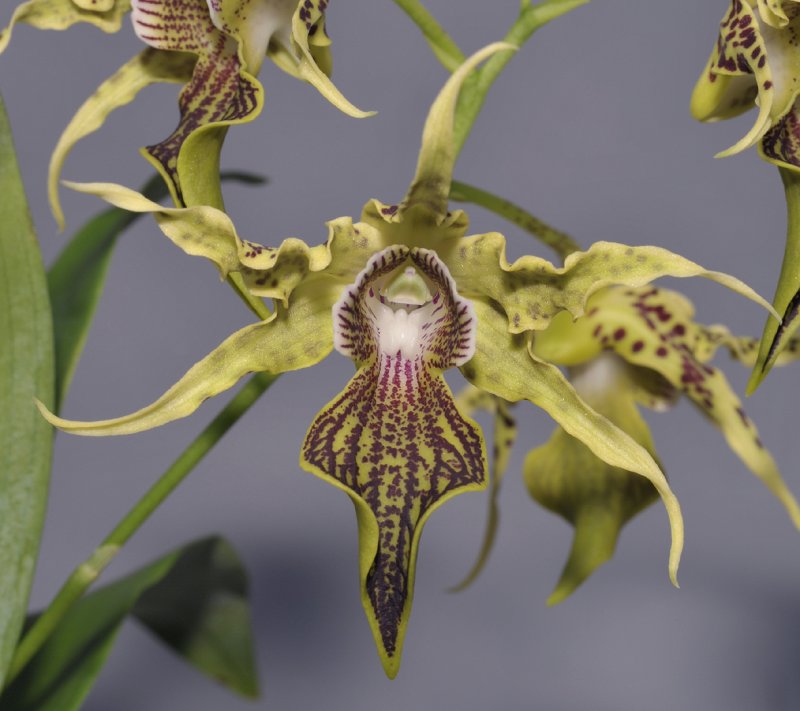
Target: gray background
{"x":589,"y":128}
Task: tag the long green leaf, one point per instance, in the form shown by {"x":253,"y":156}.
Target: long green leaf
{"x":194,"y":599}
{"x":26,"y":371}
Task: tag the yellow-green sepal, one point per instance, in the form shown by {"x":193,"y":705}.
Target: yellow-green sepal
{"x":150,"y":67}
{"x":270,"y":272}
{"x":504,"y":366}
{"x":61,"y":14}
{"x":430,"y":189}
{"x":503,"y":437}
{"x":310,"y":44}
{"x":564,"y":476}
{"x":532,"y":290}
{"x":291,"y":339}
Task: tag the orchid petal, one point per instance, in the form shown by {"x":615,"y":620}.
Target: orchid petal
{"x":394,"y":439}
{"x":220,"y":93}
{"x":61,"y":14}
{"x":597,"y":499}
{"x":772,"y":13}
{"x":310,"y":43}
{"x":504,"y":366}
{"x":532,"y":291}
{"x":271,"y":272}
{"x":751,"y":62}
{"x":149,"y":67}
{"x":292,"y":339}
{"x":503,"y":438}
{"x":651,"y":328}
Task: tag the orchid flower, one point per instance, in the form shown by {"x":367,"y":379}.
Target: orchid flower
{"x":756,"y":61}
{"x":635,"y":346}
{"x":406,"y":295}
{"x":215,"y":48}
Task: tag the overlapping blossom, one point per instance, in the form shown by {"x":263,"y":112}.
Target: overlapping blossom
{"x":405,"y":294}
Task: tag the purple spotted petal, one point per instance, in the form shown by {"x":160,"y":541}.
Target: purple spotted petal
{"x":394,"y":438}
{"x":219,"y":93}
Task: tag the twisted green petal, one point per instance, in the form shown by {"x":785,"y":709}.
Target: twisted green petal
{"x":653,"y":328}
{"x":503,"y":438}
{"x":293,"y":338}
{"x":532,"y":290}
{"x":597,"y":499}
{"x":430,"y":189}
{"x":61,"y":14}
{"x":310,"y":43}
{"x":271,"y":272}
{"x":149,"y":67}
{"x":504,"y":366}
{"x":220,"y":93}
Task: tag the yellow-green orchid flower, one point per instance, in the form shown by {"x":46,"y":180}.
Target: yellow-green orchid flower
{"x":215,"y":48}
{"x":406,"y":295}
{"x":635,"y":346}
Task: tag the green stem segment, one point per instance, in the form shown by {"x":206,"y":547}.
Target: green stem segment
{"x":86,"y":573}
{"x":787,"y":293}
{"x":559,"y":241}
{"x":530,"y":19}
{"x":443,"y":46}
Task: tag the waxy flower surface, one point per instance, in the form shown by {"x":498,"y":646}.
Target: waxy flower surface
{"x":406,"y":295}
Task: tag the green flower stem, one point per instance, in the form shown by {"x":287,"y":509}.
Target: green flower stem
{"x":531,"y":18}
{"x":559,"y":241}
{"x":443,"y":46}
{"x":88,"y":571}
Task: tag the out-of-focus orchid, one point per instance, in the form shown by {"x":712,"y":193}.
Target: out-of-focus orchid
{"x":756,"y":62}
{"x":406,"y":295}
{"x":215,"y":48}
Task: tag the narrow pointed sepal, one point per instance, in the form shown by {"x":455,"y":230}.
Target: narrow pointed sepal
{"x":504,"y":366}
{"x":310,"y":43}
{"x":429,"y":191}
{"x":564,"y":476}
{"x":220,"y":93}
{"x":394,"y":439}
{"x":294,"y":338}
{"x":269,"y":272}
{"x":149,"y":67}
{"x":532,"y":290}
{"x":61,"y":14}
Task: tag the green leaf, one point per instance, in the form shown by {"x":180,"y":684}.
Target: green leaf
{"x":26,"y":372}
{"x":194,"y":599}
{"x":77,"y":278}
